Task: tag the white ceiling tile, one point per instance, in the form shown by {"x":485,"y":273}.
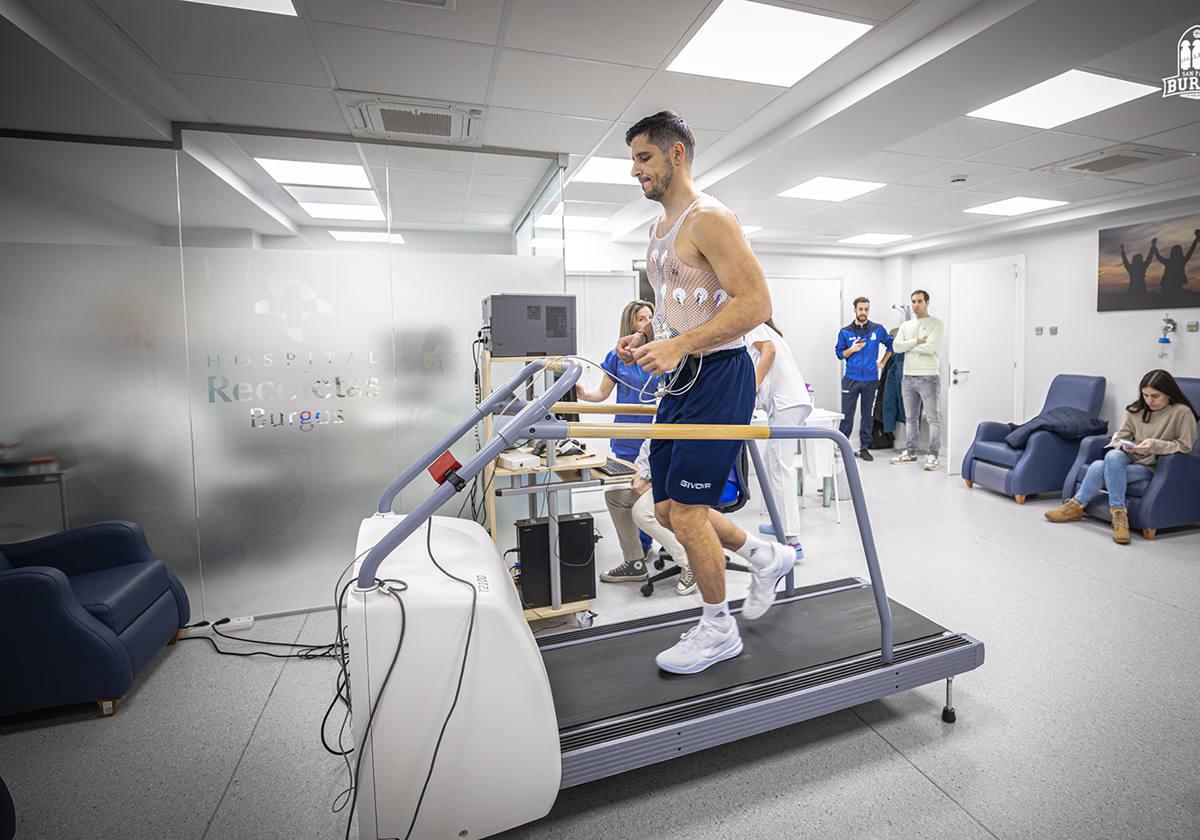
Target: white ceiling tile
{"x":889,"y":167}
{"x":956,"y":220}
{"x":1041,"y":149}
{"x":871,"y":212}
{"x":1186,"y":138}
{"x":216,"y":41}
{"x":294,"y":148}
{"x":776,"y":204}
{"x":471,"y":20}
{"x":525,"y":167}
{"x":717,"y":104}
{"x":77,"y":106}
{"x":496,"y":203}
{"x":432,"y":200}
{"x":958,"y":200}
{"x":1148,"y":60}
{"x":494,"y":219}
{"x":1027,"y":183}
{"x":446,"y":217}
{"x":507,"y":127}
{"x":557,"y":85}
{"x":406,"y":157}
{"x":1135,"y":119}
{"x":611,"y":193}
{"x":421,"y":180}
{"x":962,"y":138}
{"x":502,"y":185}
{"x":265,"y":103}
{"x":333,"y":195}
{"x":406,"y":65}
{"x":976,"y":174}
{"x":900,"y":194}
{"x":630,"y":32}
{"x":1176,"y":170}
{"x":779,"y":221}
{"x":1085,"y":189}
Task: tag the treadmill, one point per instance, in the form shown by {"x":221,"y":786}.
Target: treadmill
{"x":473,"y":725}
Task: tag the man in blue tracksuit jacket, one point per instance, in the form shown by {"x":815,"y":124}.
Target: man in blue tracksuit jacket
{"x":858,"y":345}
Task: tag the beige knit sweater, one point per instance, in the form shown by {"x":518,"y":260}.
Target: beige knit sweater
{"x":1169,"y":430}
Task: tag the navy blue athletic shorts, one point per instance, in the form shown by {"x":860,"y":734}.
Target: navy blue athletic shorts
{"x":693,"y":472}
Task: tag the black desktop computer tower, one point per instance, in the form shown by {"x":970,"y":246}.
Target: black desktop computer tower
{"x":576,"y":555}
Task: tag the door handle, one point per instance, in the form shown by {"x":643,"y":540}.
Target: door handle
{"x":957,"y":371}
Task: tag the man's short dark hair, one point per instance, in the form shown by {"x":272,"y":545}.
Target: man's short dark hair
{"x":922,"y":293}
{"x":664,"y":129}
{"x":859,"y":300}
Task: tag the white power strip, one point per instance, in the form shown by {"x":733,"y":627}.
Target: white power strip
{"x":234,"y":625}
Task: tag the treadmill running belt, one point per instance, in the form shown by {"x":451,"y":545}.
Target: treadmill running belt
{"x":609,"y":677}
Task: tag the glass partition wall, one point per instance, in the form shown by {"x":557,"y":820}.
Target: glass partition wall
{"x":240,"y":343}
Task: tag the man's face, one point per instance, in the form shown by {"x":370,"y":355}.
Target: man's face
{"x":653,"y":168}
{"x":920,"y":306}
{"x":861,"y":311}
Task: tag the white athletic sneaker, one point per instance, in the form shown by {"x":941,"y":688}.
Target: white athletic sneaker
{"x":905,"y":457}
{"x":932,"y":463}
{"x":686,"y":584}
{"x":702,"y":646}
{"x":762,"y":583}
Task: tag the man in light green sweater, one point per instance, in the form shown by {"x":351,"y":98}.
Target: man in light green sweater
{"x":919,"y":340}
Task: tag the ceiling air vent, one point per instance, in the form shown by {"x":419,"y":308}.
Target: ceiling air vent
{"x":413,"y":120}
{"x":1114,"y":160}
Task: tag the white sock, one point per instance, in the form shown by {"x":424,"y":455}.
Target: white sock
{"x":717,"y":614}
{"x":757,"y":552}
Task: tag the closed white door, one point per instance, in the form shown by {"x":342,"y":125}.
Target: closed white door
{"x":980,"y":362}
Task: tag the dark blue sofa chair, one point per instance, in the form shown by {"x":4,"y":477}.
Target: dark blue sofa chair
{"x":83,"y":611}
{"x":1169,"y":498}
{"x":1043,"y":464}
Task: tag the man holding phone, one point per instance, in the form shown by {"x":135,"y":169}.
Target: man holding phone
{"x":858,"y":345}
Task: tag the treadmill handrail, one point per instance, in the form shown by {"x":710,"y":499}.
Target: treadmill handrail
{"x":750,"y":433}
{"x":493,"y":403}
{"x":511,"y":433}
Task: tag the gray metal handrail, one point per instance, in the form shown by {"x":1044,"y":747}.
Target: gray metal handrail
{"x":510,"y":434}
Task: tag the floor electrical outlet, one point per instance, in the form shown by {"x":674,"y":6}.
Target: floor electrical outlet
{"x":233,"y":625}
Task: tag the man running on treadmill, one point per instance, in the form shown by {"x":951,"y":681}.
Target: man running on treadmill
{"x":710,"y":292}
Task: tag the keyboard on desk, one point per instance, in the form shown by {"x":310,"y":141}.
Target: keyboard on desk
{"x":616,"y":468}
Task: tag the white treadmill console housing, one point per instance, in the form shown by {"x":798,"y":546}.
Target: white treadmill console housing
{"x":499,"y":764}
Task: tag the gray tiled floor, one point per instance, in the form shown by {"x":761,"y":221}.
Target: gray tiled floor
{"x":1082,"y":723}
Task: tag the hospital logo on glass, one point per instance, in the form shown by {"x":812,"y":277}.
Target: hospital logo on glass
{"x":1186,"y":81}
{"x":292,"y":388}
{"x":293,"y":303}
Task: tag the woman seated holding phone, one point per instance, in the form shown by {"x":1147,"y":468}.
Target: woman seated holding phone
{"x":1160,"y":422}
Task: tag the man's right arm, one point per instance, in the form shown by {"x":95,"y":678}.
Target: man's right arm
{"x":626,"y":343}
{"x":902,"y":343}
{"x":839,"y":349}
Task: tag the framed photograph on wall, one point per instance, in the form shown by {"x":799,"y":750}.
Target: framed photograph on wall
{"x":1150,"y":266}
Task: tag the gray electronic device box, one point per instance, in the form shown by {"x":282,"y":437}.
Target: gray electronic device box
{"x":529,"y":325}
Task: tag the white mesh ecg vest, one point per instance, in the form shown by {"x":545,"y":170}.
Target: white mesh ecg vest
{"x":685,"y":296}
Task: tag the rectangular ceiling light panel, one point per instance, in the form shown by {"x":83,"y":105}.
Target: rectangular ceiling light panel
{"x":765,"y":44}
{"x":1063,"y":99}
{"x":605,"y":170}
{"x":822,"y":188}
{"x":1014,"y":206}
{"x":354,"y":212}
{"x":311,"y":174}
{"x":274,"y":7}
{"x":367,"y":236}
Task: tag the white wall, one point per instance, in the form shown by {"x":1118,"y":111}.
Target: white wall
{"x":1061,"y":269}
{"x":40,"y":213}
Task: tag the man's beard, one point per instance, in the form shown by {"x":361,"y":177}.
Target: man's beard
{"x":656,"y":192}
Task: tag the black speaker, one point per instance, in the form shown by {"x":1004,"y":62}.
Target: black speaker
{"x":576,"y":552}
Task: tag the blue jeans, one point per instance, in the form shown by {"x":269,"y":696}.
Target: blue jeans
{"x":1114,"y":473}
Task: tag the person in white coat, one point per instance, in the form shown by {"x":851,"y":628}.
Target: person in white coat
{"x":783,"y":395}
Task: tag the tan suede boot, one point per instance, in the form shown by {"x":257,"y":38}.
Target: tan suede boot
{"x":1068,"y":511}
{"x":1120,"y":522}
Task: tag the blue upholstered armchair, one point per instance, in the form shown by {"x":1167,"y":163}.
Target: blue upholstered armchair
{"x":1043,"y":464}
{"x":82,"y":612}
{"x":1170,"y":497}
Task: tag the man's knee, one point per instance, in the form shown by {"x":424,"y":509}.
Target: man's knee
{"x":662,"y":512}
{"x":686,"y":519}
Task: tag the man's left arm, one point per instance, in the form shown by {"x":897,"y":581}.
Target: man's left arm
{"x":932,"y":342}
{"x":717,"y":235}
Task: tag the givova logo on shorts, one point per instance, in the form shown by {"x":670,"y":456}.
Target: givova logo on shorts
{"x":693,"y":485}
